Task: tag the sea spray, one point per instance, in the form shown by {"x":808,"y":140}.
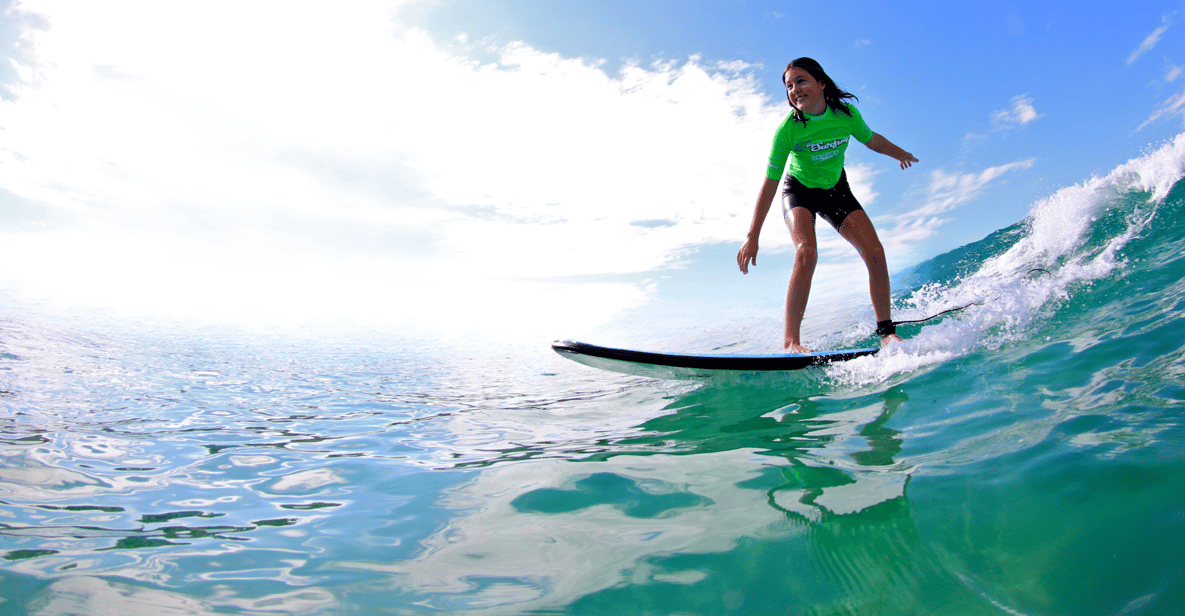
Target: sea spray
{"x":1068,"y":240}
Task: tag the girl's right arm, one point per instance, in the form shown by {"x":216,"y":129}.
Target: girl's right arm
{"x":748,"y":252}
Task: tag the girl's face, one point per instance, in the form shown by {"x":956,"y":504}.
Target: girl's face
{"x":805,"y":94}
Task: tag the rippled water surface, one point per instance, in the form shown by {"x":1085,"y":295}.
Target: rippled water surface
{"x":1021,"y":456}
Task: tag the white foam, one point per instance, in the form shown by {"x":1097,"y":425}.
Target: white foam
{"x":1011,"y":290}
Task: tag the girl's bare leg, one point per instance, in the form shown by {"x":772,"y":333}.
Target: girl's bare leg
{"x":806,"y":254}
{"x":858,"y":230}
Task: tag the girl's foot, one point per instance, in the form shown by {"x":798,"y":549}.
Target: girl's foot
{"x":885,"y":340}
{"x":798,"y":348}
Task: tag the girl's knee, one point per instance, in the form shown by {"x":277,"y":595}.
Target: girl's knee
{"x":806,"y":255}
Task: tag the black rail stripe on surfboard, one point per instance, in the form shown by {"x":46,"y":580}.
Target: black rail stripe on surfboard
{"x":795,"y":361}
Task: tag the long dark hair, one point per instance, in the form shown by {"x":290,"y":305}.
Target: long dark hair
{"x":832,"y":93}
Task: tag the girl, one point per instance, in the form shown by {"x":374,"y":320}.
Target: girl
{"x":814,"y":137}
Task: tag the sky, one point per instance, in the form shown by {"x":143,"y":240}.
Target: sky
{"x":537,"y":170}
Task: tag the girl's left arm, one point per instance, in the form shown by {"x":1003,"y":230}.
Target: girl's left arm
{"x":881,"y":145}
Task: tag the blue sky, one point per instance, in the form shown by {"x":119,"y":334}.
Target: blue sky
{"x":966,"y":86}
{"x":529,"y":168}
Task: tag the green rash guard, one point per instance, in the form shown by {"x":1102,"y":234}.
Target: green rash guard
{"x":815,"y":151}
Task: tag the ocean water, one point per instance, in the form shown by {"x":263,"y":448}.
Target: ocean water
{"x":1021,"y":456}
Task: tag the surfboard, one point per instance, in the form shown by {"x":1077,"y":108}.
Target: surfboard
{"x":685,"y":365}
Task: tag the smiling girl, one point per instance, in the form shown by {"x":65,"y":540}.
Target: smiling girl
{"x":813,"y":138}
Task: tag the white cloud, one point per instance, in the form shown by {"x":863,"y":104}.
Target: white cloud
{"x":860,"y":176}
{"x":1173,"y":106}
{"x":1021,"y":113}
{"x":293,"y":164}
{"x":1173,"y":74}
{"x":1151,"y":40}
{"x":972,"y":139}
{"x":24,"y":72}
{"x":945,"y":192}
{"x":950,"y":190}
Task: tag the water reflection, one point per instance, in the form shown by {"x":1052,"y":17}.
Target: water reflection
{"x":856,"y":472}
{"x":667,"y":504}
{"x":493,"y":494}
{"x":90,"y":595}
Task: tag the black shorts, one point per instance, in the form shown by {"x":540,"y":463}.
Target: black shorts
{"x":833,"y":204}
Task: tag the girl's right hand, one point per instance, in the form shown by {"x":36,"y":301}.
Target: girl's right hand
{"x":747,"y":254}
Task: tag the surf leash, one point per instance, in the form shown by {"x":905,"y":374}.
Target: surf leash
{"x":931,"y":318}
{"x":892,"y":325}
{"x":889,"y":327}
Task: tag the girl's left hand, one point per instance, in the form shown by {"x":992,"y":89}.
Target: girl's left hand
{"x":907,"y":161}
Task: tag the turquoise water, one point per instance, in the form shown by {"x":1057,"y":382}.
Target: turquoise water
{"x":1022,"y":456}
